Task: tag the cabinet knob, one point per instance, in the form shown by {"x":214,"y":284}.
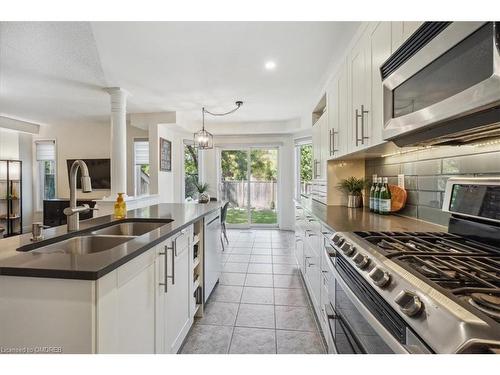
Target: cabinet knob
{"x":409,"y":303}
{"x":380,"y":277}
{"x":361,"y":260}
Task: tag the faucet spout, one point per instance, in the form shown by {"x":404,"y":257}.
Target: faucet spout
{"x":73,"y":211}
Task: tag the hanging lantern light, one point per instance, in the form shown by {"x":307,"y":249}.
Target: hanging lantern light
{"x":204,"y":140}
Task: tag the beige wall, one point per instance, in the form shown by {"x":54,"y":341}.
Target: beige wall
{"x":73,"y":142}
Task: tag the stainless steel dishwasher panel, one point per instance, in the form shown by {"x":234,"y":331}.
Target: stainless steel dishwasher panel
{"x":213,"y":252}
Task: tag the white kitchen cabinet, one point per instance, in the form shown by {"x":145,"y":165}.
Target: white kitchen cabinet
{"x":174,"y":317}
{"x":320,"y":147}
{"x":312,"y":273}
{"x":125,"y":313}
{"x":380,"y":40}
{"x":360,"y":101}
{"x":299,"y":237}
{"x":338,"y":130}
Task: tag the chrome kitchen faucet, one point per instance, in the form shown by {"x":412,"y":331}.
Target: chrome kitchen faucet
{"x":73,"y":211}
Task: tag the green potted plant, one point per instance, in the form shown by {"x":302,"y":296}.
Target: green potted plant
{"x":354,"y":187}
{"x":203,"y":196}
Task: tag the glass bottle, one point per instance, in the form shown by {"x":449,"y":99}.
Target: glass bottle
{"x":385,"y":198}
{"x":376,"y":195}
{"x":372,"y":193}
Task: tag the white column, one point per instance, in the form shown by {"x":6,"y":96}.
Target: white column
{"x":118,"y":140}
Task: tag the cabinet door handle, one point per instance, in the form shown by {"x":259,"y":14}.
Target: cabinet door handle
{"x":363,"y":112}
{"x":357,"y":125}
{"x":174,"y":252}
{"x":334,"y":150}
{"x":166,"y":277}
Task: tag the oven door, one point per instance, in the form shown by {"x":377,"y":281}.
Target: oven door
{"x":455,"y":75}
{"x":359,"y":326}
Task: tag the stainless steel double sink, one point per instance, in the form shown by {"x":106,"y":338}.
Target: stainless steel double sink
{"x":99,"y":240}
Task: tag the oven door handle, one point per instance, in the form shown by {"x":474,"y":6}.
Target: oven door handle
{"x":374,"y":323}
{"x":351,"y":338}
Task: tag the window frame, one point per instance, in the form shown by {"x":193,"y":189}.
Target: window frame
{"x":39,"y":181}
{"x":136,"y":140}
{"x":298,"y":144}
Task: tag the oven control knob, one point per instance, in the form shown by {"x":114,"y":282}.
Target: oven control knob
{"x":380,"y":277}
{"x":361,"y":260}
{"x":347,"y":249}
{"x":337,"y":239}
{"x":409,"y":303}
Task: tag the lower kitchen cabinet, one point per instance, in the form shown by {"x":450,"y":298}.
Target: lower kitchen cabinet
{"x":312,"y":273}
{"x":125,"y":307}
{"x":174,"y":316}
{"x":310,"y":254}
{"x":128,"y":310}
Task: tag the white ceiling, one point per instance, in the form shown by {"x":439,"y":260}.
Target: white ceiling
{"x":54,"y":72}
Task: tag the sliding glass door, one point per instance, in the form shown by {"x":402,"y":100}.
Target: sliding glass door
{"x":249,"y":182}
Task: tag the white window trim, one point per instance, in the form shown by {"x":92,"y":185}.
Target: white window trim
{"x":36,"y":173}
{"x":139,"y":139}
{"x":298,"y":143}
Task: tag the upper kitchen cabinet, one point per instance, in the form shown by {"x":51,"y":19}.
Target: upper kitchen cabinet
{"x":360,"y":100}
{"x":366,"y":107}
{"x":338,"y":113}
{"x":380,"y":40}
{"x":401,"y":30}
{"x":320,"y":139}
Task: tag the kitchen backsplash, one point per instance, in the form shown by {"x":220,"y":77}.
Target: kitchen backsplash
{"x":427,"y":170}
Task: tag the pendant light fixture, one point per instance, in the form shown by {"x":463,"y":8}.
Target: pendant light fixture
{"x":204,"y":140}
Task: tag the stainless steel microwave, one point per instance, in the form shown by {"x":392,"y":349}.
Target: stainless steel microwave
{"x":442,"y":86}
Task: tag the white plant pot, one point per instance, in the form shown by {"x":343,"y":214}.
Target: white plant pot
{"x":354,"y":201}
{"x":204,"y":198}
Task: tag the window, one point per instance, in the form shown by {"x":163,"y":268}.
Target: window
{"x":46,"y":168}
{"x":141,"y":170}
{"x":303,"y":158}
{"x":191,"y":170}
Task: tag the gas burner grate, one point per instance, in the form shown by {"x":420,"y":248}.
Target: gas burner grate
{"x":459,"y":265}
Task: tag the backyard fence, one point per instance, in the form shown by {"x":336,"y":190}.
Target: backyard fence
{"x":263,"y":194}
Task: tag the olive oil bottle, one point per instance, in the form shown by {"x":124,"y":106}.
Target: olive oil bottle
{"x":385,"y":198}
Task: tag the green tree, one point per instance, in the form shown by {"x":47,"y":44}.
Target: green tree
{"x":190,"y":170}
{"x":306,"y":163}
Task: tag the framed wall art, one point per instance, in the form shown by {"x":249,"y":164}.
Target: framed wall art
{"x":165,"y":155}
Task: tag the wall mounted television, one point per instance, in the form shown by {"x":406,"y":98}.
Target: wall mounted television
{"x":99,"y":170}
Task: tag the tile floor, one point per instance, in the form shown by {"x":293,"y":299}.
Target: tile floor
{"x":260,"y":305}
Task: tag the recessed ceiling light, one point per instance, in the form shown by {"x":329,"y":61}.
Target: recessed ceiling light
{"x":270,"y":65}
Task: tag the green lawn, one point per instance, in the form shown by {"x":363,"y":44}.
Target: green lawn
{"x":239,"y":216}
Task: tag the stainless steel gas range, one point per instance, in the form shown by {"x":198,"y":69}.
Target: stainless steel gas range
{"x":422,"y":292}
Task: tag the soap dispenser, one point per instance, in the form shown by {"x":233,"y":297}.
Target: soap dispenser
{"x":120,"y":207}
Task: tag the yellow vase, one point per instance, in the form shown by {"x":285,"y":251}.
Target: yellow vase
{"x":120,"y":207}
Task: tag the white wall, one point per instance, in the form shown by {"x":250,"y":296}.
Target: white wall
{"x":169,"y":185}
{"x":9,"y":144}
{"x":285,"y":165}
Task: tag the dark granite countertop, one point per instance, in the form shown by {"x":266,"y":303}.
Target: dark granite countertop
{"x":344,"y":219}
{"x":95,"y":265}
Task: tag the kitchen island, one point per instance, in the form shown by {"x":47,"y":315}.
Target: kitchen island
{"x":139,"y":296}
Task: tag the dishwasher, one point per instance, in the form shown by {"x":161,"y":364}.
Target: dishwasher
{"x":213,"y":252}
